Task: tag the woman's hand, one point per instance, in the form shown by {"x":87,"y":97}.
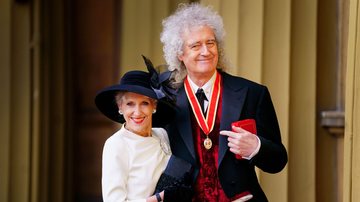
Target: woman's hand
{"x":154,"y":199}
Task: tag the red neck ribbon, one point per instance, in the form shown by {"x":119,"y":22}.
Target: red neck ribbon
{"x":206,"y":124}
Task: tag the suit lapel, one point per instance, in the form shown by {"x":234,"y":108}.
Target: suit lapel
{"x":184,"y":121}
{"x":233,"y":98}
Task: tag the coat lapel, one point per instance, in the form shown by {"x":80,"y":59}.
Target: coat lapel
{"x":184,"y":121}
{"x":233,"y":98}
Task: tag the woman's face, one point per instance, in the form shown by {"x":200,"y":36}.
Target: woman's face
{"x":200,"y":52}
{"x":137,"y":110}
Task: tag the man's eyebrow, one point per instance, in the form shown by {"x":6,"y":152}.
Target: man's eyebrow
{"x":196,"y":42}
{"x":193,"y":43}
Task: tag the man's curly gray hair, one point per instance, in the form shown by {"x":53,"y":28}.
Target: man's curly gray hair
{"x":187,"y":16}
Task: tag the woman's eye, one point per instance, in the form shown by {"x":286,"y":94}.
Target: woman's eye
{"x":130,"y":104}
{"x":146,"y":103}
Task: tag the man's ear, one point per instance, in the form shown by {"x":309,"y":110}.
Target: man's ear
{"x":180,"y":57}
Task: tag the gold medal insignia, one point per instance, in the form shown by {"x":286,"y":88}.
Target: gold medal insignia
{"x":207,"y":143}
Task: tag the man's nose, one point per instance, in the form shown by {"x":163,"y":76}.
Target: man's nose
{"x":204,"y":50}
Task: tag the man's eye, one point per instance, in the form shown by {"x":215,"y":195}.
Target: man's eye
{"x":210,"y":44}
{"x":195,"y":46}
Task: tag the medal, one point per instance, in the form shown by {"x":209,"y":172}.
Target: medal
{"x":206,"y":123}
{"x":207,"y":143}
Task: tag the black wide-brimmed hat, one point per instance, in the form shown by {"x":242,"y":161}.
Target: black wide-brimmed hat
{"x":150,"y":84}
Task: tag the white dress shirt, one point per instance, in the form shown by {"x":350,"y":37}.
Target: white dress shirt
{"x":132,"y":165}
{"x":207,"y":88}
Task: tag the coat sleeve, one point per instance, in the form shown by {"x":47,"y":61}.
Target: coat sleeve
{"x":272,"y":156}
{"x":115,"y":171}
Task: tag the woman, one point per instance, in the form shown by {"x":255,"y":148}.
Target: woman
{"x":135,"y":157}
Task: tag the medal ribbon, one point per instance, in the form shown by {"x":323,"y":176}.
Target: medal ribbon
{"x":206,"y":124}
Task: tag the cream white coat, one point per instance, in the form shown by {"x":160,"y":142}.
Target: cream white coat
{"x":132,"y":165}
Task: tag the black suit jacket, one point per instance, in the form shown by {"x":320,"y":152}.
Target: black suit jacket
{"x":241,"y":99}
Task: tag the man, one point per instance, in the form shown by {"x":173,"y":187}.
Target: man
{"x":210,"y":101}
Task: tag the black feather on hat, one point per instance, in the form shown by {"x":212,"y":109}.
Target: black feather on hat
{"x":150,"y":84}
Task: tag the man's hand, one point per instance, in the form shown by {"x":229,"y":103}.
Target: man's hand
{"x":241,"y":142}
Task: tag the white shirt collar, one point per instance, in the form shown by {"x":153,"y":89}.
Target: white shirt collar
{"x":206,"y":87}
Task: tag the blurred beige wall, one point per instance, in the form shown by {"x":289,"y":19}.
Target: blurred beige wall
{"x":352,"y":108}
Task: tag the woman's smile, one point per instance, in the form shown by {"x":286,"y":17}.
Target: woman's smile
{"x":138,"y":120}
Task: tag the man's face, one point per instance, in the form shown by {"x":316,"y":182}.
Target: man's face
{"x":200,"y":53}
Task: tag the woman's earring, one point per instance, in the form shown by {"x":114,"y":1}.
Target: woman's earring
{"x":120,"y":112}
{"x":154,"y":111}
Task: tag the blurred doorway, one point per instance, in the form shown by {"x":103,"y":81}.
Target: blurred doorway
{"x":93,"y":58}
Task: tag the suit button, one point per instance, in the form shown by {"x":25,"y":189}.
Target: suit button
{"x":232,"y":182}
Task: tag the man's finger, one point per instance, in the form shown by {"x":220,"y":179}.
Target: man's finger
{"x":228,"y":133}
